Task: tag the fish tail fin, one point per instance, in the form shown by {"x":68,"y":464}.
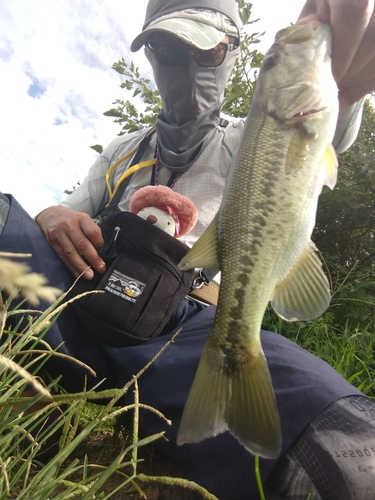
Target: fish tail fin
{"x":240,"y":400}
{"x":252,"y":414}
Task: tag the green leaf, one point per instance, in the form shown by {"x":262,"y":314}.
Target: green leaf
{"x":113,"y":112}
{"x":98,"y":148}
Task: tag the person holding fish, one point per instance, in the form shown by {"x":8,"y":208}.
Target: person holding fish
{"x":314,"y":432}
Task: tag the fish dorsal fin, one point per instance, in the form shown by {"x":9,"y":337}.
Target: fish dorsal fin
{"x":204,"y":251}
{"x":330,"y":167}
{"x":304,"y":294}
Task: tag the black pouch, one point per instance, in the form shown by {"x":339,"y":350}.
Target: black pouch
{"x":142,"y":284}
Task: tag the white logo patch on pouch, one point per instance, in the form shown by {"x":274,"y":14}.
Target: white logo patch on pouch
{"x":125,"y":287}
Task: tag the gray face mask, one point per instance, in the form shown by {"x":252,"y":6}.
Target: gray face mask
{"x":193,"y":96}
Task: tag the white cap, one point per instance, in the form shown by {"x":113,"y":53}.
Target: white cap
{"x":202,"y":28}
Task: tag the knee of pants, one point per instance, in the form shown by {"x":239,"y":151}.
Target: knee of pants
{"x":334,"y":457}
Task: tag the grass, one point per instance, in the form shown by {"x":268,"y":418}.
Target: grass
{"x":350,"y":350}
{"x":97,"y":459}
{"x":68,"y":474}
{"x":24,"y":431}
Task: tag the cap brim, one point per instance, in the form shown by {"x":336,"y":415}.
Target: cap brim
{"x":200,"y":35}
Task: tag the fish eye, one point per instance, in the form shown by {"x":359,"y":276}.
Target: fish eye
{"x":270,"y":61}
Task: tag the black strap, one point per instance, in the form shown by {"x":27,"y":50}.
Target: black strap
{"x":113,"y":204}
{"x":208,"y":274}
{"x":204,"y":277}
{"x":223,"y":122}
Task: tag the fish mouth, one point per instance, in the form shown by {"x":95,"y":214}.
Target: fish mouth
{"x":303,"y":114}
{"x":308,"y":104}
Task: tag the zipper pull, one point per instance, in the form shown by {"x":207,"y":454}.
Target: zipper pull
{"x":109,"y":249}
{"x":116,"y":231}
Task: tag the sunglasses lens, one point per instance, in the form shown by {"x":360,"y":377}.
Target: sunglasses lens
{"x":175,"y":54}
{"x":169,"y":54}
{"x":213,"y":57}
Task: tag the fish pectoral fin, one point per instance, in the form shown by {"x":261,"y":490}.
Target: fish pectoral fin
{"x":297,"y":151}
{"x":304,"y":294}
{"x":241,"y":401}
{"x":330,"y":166}
{"x":296,"y":155}
{"x":204,"y":251}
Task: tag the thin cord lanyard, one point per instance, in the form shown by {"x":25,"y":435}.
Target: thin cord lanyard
{"x":155,"y":171}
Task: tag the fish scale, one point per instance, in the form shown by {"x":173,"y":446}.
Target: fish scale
{"x":260,"y":240}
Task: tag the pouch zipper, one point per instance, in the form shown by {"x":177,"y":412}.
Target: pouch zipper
{"x":164,"y":263}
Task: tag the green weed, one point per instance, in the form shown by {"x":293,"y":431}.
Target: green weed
{"x":70,"y":472}
{"x":27,"y":426}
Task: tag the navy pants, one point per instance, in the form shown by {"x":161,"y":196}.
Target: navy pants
{"x":304,"y":385}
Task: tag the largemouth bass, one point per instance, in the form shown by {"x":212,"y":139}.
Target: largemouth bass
{"x":261,"y":239}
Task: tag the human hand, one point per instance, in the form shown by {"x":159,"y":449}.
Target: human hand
{"x":73,"y":235}
{"x":353,"y":46}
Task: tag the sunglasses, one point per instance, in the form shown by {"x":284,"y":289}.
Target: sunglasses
{"x":175,"y":53}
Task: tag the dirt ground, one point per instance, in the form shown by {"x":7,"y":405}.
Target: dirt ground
{"x":104,"y":448}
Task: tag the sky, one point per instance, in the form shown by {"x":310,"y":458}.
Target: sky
{"x":56,"y":80}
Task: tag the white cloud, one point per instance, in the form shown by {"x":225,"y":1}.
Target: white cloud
{"x":55,"y":62}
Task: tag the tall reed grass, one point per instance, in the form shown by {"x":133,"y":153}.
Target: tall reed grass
{"x":29,"y":425}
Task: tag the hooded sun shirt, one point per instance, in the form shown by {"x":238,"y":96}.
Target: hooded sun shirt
{"x":193,"y":95}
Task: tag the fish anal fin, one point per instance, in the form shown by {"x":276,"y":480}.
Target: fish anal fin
{"x":204,"y":251}
{"x":241,"y":401}
{"x":304,"y":294}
